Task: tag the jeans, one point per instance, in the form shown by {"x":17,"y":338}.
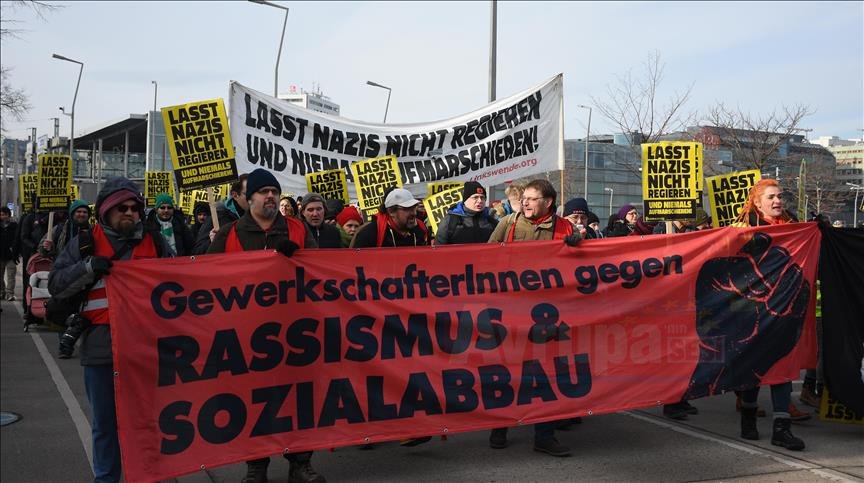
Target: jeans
{"x":544,"y":431}
{"x":7,"y":277}
{"x":99,"y":381}
{"x":781,"y":397}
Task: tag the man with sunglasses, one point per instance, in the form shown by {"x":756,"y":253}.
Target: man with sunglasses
{"x":168,"y":220}
{"x":81,"y":266}
{"x":262,"y":227}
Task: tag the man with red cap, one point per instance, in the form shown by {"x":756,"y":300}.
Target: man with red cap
{"x":82,"y":266}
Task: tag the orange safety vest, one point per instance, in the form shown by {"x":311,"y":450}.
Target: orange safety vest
{"x":296,"y":233}
{"x":96,"y":308}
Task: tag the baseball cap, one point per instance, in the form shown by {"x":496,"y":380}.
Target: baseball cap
{"x":400,"y":197}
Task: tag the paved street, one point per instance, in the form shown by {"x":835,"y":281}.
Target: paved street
{"x":51,"y":441}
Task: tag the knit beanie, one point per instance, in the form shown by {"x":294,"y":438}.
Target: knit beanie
{"x":701,"y":217}
{"x":260,"y":178}
{"x":79,"y":204}
{"x":349,"y":213}
{"x":622,"y":212}
{"x":576,"y":205}
{"x":332,"y":208}
{"x":472,"y":188}
{"x":164,"y":199}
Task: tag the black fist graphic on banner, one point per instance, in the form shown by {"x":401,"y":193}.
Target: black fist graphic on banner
{"x":750,"y":311}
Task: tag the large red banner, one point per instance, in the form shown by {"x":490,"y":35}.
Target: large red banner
{"x":226,"y":358}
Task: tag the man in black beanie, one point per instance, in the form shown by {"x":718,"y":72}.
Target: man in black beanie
{"x":262,"y":227}
{"x":470,"y":221}
{"x":576,"y":212}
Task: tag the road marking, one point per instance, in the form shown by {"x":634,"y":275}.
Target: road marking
{"x":82,"y":425}
{"x":813,"y":468}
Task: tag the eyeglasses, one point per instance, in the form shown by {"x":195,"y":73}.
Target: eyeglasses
{"x":125,"y":208}
{"x":633,"y":212}
{"x":166,"y":207}
{"x":268,"y":191}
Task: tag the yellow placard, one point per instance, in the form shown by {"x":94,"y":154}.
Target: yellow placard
{"x":727,"y":194}
{"x":28,"y":185}
{"x":669,"y":173}
{"x":92,"y":215}
{"x":331,"y":184}
{"x":438,"y":187}
{"x":156,"y":182}
{"x":74,"y":191}
{"x":439,"y":204}
{"x":372,"y":177}
{"x":832,"y":410}
{"x":200,"y":144}
{"x":54,"y":182}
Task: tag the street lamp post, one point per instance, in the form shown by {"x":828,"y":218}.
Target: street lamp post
{"x":857,"y":189}
{"x":150,"y":163}
{"x":75,"y":98}
{"x":587,"y":136}
{"x":389,"y":91}
{"x":611,"y":191}
{"x":281,"y":40}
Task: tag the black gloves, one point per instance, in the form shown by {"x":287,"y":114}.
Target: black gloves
{"x":287,"y":247}
{"x":100,"y":265}
{"x":572,"y":240}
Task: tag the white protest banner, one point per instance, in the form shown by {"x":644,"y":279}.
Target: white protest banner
{"x":508,"y":139}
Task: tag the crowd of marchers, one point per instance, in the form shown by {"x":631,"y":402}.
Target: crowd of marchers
{"x":256,"y":216}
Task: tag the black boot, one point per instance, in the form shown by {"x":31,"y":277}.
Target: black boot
{"x":748,"y":423}
{"x":498,"y":438}
{"x":783,"y":436}
{"x":302,"y":472}
{"x":256,"y":471}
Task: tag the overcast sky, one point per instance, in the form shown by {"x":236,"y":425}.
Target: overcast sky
{"x":434,"y":56}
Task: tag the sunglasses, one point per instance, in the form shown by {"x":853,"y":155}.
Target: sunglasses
{"x":125,"y":208}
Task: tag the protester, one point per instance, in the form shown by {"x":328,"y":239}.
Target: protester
{"x":119,"y":235}
{"x":678,"y":226}
{"x":312,"y":212}
{"x":395,"y":225}
{"x":288,"y":207}
{"x":227,"y":211}
{"x":8,"y":254}
{"x":262,"y":228}
{"x":470,"y":221}
{"x":331,"y":209}
{"x":169,"y":221}
{"x":594,"y":223}
{"x":703,"y":221}
{"x":576,"y":212}
{"x":61,"y":233}
{"x":615,"y":227}
{"x":200,"y":214}
{"x":348,"y":221}
{"x":642,"y":227}
{"x":513,"y":203}
{"x":764,"y":206}
{"x":535,"y":221}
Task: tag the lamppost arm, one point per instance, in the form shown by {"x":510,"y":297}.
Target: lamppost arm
{"x":74,"y":100}
{"x":281,"y":41}
{"x":389,"y":91}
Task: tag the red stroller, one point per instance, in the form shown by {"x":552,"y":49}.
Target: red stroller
{"x":36,"y":294}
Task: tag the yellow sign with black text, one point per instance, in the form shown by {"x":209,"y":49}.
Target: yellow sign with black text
{"x":200,"y":144}
{"x":727,"y":194}
{"x":54,"y":182}
{"x":331,"y":184}
{"x":437,"y":187}
{"x":372,"y":177}
{"x":156,"y":182}
{"x":28,"y":185}
{"x":669,"y":186}
{"x":439,"y":204}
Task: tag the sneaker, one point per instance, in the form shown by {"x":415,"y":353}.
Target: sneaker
{"x":498,"y":438}
{"x":408,"y":443}
{"x":809,"y":398}
{"x":304,"y":473}
{"x":552,"y":446}
{"x":10,"y":298}
{"x":797,"y":415}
